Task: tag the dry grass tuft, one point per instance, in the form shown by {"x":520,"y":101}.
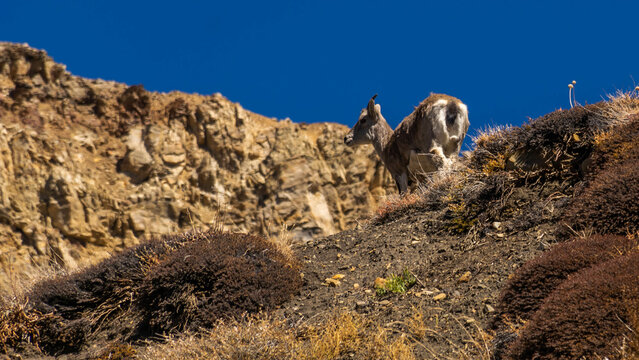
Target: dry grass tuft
{"x":631,"y":348}
{"x":21,"y":283}
{"x":490,"y":146}
{"x":283,"y":242}
{"x":618,"y":108}
{"x":490,"y":134}
{"x":395,"y":203}
{"x":348,"y":334}
{"x":19,"y":324}
{"x":258,"y":337}
{"x":340,"y":335}
{"x":476,"y":344}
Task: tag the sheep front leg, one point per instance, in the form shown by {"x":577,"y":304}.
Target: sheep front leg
{"x":401,"y":181}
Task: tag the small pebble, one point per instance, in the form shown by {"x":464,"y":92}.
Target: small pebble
{"x":465,"y":277}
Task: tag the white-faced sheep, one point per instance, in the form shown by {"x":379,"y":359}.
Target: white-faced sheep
{"x":425,"y":141}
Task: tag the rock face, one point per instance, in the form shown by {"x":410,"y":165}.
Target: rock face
{"x":88,"y":167}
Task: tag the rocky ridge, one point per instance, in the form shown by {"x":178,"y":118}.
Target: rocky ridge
{"x":88,"y":167}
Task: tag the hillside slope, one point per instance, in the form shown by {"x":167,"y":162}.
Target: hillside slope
{"x":91,"y":166}
{"x":564,"y":176}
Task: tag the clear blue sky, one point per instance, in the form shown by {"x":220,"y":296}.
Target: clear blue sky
{"x":322,"y":60}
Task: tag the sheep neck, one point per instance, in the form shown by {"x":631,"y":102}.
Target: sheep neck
{"x":383,"y":134}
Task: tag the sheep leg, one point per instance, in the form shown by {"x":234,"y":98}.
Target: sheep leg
{"x":402,"y":182}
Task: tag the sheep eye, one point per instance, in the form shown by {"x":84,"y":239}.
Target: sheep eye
{"x":363,"y":121}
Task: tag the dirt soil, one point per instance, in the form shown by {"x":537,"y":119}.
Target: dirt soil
{"x":413,"y":240}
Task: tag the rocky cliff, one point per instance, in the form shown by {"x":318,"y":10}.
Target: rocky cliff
{"x":88,"y":167}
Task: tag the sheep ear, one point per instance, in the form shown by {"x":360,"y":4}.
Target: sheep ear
{"x":371,"y":108}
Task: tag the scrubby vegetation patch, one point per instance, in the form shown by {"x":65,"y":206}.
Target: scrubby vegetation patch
{"x":170,"y":283}
{"x":609,"y":203}
{"x":396,"y":284}
{"x":536,"y":279}
{"x":223,"y":277}
{"x":587,"y":316}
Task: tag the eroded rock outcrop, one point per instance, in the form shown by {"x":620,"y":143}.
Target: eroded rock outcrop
{"x":90,"y":166}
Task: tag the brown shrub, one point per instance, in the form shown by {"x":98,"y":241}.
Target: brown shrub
{"x":79,"y":303}
{"x":552,"y":145}
{"x":162,"y":285}
{"x":556,"y":144}
{"x":609,"y":202}
{"x":224,"y":276}
{"x":586,"y":316}
{"x":71,"y":295}
{"x":536,"y":279}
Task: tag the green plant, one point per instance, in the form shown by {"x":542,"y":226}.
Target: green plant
{"x":397,"y":284}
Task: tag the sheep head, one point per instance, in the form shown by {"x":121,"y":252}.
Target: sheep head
{"x":364,"y":130}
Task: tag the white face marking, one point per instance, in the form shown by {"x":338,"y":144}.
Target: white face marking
{"x":439,"y":125}
{"x":441,"y":102}
{"x":463,"y":107}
